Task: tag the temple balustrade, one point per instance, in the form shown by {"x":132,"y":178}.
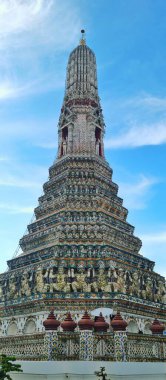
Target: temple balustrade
{"x":69,"y":346}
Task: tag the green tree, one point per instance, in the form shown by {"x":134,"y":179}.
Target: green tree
{"x":7,"y":366}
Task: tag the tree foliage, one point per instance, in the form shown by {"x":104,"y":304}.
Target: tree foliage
{"x":6,"y":366}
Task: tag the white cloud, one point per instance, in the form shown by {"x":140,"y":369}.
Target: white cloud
{"x":153,"y":247}
{"x":4,"y":158}
{"x":37,"y":131}
{"x":154,"y":238}
{"x":136,"y":193}
{"x":148,"y":101}
{"x":38,"y":23}
{"x":135,"y":122}
{"x":16,"y":209}
{"x":139,"y":135}
{"x":47,"y":145}
{"x":32,"y":35}
{"x":12,"y":181}
{"x":24,"y":176}
{"x":6,"y":90}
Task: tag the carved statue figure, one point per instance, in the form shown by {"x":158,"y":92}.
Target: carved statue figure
{"x":12,"y":288}
{"x":52,"y":277}
{"x":102,"y":281}
{"x":98,"y":147}
{"x":61,"y":281}
{"x":25,"y":289}
{"x":134,"y":288}
{"x":40,"y":286}
{"x":64,"y":146}
{"x":147,"y":291}
{"x":160,"y":295}
{"x":120,"y":285}
{"x":1,"y":293}
{"x":80,"y":282}
{"x":112,"y":276}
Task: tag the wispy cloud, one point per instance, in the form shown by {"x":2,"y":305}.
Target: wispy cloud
{"x":7,"y":90}
{"x":137,"y":121}
{"x":12,"y":181}
{"x":139,"y":135}
{"x":136,"y":193}
{"x":4,"y":158}
{"x":154,"y":238}
{"x":39,"y":132}
{"x":32,"y":35}
{"x":25,"y":176}
{"x":47,"y":145}
{"x":147,"y":100}
{"x":16,"y":209}
{"x":154,"y":244}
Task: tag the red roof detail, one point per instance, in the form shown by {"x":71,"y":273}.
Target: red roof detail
{"x":51,"y":323}
{"x":100,"y":324}
{"x":118,"y":323}
{"x":86,"y":323}
{"x":157,"y":327}
{"x":68,"y":324}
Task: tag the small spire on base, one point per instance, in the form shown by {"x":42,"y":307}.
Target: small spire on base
{"x":83,"y":40}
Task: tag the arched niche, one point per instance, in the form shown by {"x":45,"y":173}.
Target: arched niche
{"x":132,"y":327}
{"x":98,"y":141}
{"x":30,"y":327}
{"x":147,"y":328}
{"x":12,"y":329}
{"x":64,"y":140}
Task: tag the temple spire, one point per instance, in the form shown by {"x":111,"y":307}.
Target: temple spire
{"x":82,"y":40}
{"x":81,"y":124}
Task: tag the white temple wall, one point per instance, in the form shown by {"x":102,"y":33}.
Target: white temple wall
{"x":26,"y":324}
{"x":81,"y":370}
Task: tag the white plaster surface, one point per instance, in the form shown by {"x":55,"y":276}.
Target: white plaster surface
{"x":81,"y":370}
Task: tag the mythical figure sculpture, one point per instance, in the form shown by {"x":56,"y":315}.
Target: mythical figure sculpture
{"x":80,"y":282}
{"x":112,"y":276}
{"x":61,"y":281}
{"x":25,"y":288}
{"x":160,"y":295}
{"x":1,"y":293}
{"x":147,"y":292}
{"x":12,"y":288}
{"x":134,"y":288}
{"x":51,"y":278}
{"x":102,"y":281}
{"x":64,"y":146}
{"x":40,"y":286}
{"x":120,"y":285}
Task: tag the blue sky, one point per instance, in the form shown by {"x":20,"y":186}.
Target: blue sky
{"x":128,"y":38}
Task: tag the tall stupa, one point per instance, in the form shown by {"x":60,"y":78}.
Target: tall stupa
{"x":80,"y":255}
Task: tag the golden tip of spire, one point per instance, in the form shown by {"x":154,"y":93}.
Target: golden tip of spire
{"x":82,"y":40}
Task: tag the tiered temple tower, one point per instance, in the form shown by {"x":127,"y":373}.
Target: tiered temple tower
{"x":80,"y":253}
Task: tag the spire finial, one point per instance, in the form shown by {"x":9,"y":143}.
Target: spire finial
{"x":82,"y":40}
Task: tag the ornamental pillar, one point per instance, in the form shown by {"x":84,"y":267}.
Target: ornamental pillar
{"x":120,"y":338}
{"x":86,"y":325}
{"x":51,"y":345}
{"x":51,"y":336}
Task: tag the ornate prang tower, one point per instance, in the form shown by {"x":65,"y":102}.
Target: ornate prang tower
{"x":80,"y":253}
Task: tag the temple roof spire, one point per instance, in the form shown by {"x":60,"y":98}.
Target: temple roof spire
{"x":82,"y":40}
